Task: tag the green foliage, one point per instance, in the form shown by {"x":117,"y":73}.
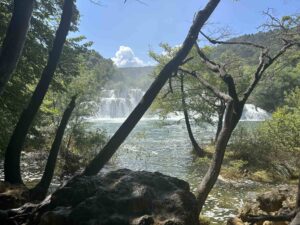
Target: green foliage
{"x":282,"y":78}
{"x":234,"y":169}
{"x":269,"y":39}
{"x":283,"y":129}
{"x":200,"y":102}
{"x":274,"y":144}
{"x":85,"y":142}
{"x":204,"y":220}
{"x":38,"y":43}
{"x":81,"y":71}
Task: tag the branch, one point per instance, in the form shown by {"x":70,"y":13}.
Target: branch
{"x":187,"y":60}
{"x":213,"y":66}
{"x":166,"y":94}
{"x":282,"y":51}
{"x":274,"y":23}
{"x":262,"y":66}
{"x":207,"y":85}
{"x":213,"y":41}
{"x":209,"y":102}
{"x":220,"y":70}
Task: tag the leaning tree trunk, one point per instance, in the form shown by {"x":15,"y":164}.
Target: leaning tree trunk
{"x":231,"y":118}
{"x":13,"y":151}
{"x":197,"y":149}
{"x":220,"y":119}
{"x":13,"y":43}
{"x":39,"y":192}
{"x":117,"y":139}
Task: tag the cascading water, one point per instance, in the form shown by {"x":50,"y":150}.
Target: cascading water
{"x":253,"y":113}
{"x":119,"y":103}
{"x":164,"y":147}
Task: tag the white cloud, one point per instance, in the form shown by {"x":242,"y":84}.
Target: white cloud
{"x":125,"y":57}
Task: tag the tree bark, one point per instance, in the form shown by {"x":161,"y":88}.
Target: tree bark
{"x":220,"y":120}
{"x":13,"y":43}
{"x":39,"y":192}
{"x":172,"y":66}
{"x":231,"y":119}
{"x":197,"y":149}
{"x":13,"y":152}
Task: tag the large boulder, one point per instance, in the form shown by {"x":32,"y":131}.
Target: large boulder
{"x":121,"y":197}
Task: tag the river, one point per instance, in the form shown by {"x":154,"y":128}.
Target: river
{"x":163,"y":146}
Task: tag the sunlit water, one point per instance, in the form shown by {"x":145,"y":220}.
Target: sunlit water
{"x":163,"y":146}
{"x":160,"y":146}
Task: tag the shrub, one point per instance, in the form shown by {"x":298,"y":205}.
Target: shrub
{"x":275,"y":143}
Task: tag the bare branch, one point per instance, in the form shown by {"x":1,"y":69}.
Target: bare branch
{"x":187,"y":60}
{"x":213,"y":66}
{"x":207,"y":85}
{"x":220,"y":70}
{"x":213,"y":41}
{"x":265,"y":61}
{"x":211,"y":103}
{"x":166,"y":94}
{"x":274,"y":22}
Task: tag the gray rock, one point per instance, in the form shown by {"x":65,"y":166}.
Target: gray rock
{"x":122,"y":197}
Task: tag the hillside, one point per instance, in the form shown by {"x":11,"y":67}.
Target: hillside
{"x":265,"y":93}
{"x":269,"y":39}
{"x":140,"y":77}
{"x":131,"y":77}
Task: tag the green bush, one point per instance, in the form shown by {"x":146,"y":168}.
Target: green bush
{"x":274,"y":144}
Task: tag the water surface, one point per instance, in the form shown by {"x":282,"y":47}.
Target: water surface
{"x":163,"y":146}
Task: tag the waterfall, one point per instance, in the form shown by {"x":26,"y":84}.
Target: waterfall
{"x":118,"y":103}
{"x":254,"y":113}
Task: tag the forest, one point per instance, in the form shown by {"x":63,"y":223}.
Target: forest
{"x":206,"y":132}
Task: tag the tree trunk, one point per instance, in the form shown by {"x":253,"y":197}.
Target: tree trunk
{"x":232,"y":117}
{"x":39,"y":192}
{"x":13,"y":152}
{"x":117,"y":139}
{"x":197,"y":149}
{"x":13,"y":43}
{"x":220,"y":120}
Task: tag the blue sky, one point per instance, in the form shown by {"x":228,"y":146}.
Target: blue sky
{"x":126,"y":32}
